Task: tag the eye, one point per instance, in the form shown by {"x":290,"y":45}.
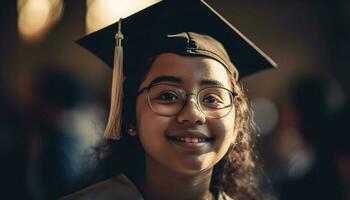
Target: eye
{"x":212,"y":100}
{"x":167,"y":96}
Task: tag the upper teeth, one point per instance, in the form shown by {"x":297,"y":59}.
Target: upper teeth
{"x":190,"y":140}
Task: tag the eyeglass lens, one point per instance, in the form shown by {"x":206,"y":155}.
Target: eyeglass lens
{"x":168,"y":100}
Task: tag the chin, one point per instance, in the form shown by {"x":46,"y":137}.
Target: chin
{"x":191,"y":168}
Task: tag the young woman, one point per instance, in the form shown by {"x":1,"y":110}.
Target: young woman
{"x":183,"y":122}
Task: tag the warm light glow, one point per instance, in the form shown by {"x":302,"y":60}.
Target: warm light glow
{"x":30,"y":22}
{"x":35,"y":17}
{"x":265,"y":114}
{"x":101,"y":13}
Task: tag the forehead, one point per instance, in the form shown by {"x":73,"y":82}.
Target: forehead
{"x":191,"y":70}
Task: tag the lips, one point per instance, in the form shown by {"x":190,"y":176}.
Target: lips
{"x":189,"y":139}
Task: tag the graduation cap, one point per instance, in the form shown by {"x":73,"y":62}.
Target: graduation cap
{"x":185,"y":27}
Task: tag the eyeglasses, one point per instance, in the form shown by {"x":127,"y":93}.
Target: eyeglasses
{"x":169,"y":100}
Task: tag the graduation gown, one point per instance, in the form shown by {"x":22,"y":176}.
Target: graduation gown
{"x":119,"y":187}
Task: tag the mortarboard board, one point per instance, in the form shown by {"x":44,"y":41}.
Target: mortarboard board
{"x":188,"y":27}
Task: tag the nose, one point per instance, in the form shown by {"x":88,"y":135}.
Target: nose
{"x":191,"y":113}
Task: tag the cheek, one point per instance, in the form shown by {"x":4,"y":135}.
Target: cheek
{"x":224,"y":131}
{"x":228,"y":126}
{"x":150,"y":126}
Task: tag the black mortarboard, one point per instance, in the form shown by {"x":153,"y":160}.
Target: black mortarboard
{"x":189,"y":27}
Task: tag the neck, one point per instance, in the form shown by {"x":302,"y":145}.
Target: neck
{"x":162,"y":183}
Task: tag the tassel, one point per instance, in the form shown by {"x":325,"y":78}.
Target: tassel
{"x":113,"y":129}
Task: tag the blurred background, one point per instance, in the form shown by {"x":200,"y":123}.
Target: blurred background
{"x":54,"y":95}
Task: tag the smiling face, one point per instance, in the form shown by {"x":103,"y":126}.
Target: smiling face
{"x":165,"y":139}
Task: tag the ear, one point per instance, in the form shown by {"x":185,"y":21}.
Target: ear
{"x":132,"y":130}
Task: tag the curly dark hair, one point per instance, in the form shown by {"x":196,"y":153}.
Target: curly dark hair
{"x":236,"y":173}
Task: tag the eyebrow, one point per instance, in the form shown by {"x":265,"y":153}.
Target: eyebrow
{"x":211,"y":82}
{"x":179,"y":81}
{"x":166,"y":78}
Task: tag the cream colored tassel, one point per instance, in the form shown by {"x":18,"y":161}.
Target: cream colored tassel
{"x":114,"y":125}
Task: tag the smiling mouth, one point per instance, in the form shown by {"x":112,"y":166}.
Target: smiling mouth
{"x":186,"y":139}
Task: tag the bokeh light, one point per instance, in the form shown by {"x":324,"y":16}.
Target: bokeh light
{"x":101,"y":13}
{"x":36,"y":17}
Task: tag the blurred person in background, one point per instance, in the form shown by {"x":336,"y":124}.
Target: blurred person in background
{"x":59,"y":149}
{"x":13,"y":147}
{"x":318,"y":178}
{"x":340,"y":149}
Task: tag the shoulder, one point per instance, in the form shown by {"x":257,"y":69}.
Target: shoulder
{"x":119,"y":187}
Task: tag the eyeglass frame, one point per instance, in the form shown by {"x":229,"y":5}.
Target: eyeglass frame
{"x":185,"y":99}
